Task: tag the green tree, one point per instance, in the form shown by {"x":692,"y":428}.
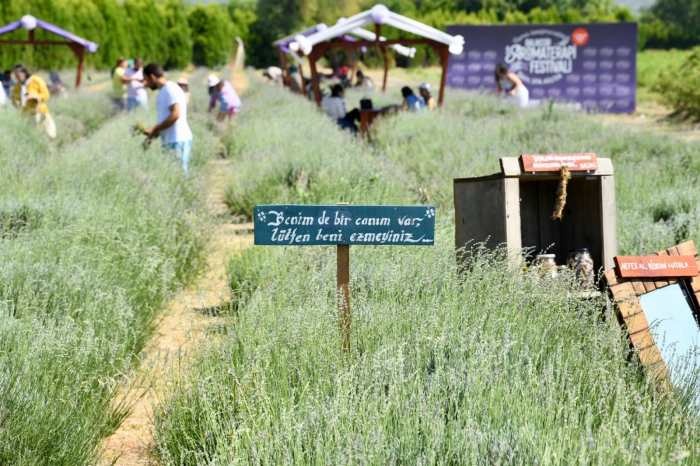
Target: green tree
{"x":115,"y":42}
{"x":147,"y":29}
{"x":178,"y":38}
{"x":211,"y":35}
{"x":88,"y":23}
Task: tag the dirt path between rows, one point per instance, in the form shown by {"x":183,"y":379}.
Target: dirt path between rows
{"x":184,"y":320}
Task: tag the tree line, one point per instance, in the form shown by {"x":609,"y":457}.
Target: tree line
{"x":172,"y":32}
{"x":175,"y":32}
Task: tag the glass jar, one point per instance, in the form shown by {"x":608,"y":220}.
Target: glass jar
{"x":580,"y":261}
{"x":547,"y":265}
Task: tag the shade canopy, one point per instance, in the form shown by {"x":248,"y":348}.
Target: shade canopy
{"x":78,"y":45}
{"x":285,"y":42}
{"x":378,"y":15}
{"x":30,"y":23}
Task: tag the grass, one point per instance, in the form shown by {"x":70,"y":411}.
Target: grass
{"x":488,"y":366}
{"x":95,"y":236}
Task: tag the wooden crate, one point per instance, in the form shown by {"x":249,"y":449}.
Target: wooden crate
{"x":514,"y":208}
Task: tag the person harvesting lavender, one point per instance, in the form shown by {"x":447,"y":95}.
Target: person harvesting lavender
{"x":171,"y":105}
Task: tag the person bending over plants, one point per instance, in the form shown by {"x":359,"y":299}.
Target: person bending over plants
{"x":511,"y":84}
{"x":171,"y":105}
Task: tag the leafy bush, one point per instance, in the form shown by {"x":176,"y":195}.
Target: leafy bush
{"x":680,"y":87}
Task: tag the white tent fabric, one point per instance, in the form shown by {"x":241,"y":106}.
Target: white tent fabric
{"x":400,"y":49}
{"x":379,"y":14}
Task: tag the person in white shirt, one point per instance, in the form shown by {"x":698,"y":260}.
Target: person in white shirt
{"x":171,"y":105}
{"x":136,"y":95}
{"x":334,"y":106}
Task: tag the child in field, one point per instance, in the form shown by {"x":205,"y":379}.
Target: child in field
{"x":411,"y":102}
{"x":224,"y":93}
{"x":511,"y":84}
{"x":184,"y":85}
{"x":424,"y":90}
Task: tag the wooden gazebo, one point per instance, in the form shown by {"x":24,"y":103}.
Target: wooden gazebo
{"x":30,"y":23}
{"x":283,"y":48}
{"x":316,"y":44}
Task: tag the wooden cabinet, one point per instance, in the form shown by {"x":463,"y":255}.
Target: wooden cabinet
{"x":515,"y":208}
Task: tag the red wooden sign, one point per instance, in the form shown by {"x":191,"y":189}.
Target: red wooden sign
{"x":554,"y":162}
{"x":656,"y":266}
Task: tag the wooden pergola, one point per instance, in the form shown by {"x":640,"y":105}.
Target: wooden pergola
{"x":75,"y":43}
{"x":283,"y":49}
{"x":315,"y":45}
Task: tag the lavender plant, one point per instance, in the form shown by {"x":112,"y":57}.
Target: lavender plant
{"x":449,"y":365}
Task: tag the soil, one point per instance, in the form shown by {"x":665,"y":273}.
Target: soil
{"x":656,"y":118}
{"x":185,"y":318}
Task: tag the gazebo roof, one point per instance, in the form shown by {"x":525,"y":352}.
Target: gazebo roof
{"x":285,"y":42}
{"x":379,"y":14}
{"x":30,"y":23}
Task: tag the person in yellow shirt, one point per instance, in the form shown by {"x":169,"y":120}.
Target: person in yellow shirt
{"x":118,"y":91}
{"x":30,"y":92}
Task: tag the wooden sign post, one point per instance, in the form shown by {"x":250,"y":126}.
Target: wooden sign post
{"x":343,"y":225}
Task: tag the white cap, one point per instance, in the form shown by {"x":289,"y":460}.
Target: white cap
{"x":425,"y":86}
{"x":182,"y":81}
{"x":212,"y":80}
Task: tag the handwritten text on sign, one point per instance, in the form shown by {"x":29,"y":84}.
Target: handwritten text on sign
{"x":656,"y":266}
{"x":554,"y":162}
{"x":303,"y":225}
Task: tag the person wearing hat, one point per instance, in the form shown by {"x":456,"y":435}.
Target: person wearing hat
{"x":429,"y":100}
{"x":171,"y":106}
{"x":225,"y":94}
{"x":185,"y":85}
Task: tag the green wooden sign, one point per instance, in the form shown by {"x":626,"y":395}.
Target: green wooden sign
{"x":306,"y":225}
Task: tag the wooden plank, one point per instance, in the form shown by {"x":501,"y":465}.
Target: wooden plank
{"x":648,"y":284}
{"x":659,"y":267}
{"x":610,"y":277}
{"x":343,"y":280}
{"x":659,"y":372}
{"x":510,"y":166}
{"x":637,"y":323}
{"x":642,"y":339}
{"x":512,"y":199}
{"x":629,"y":308}
{"x":688,"y":248}
{"x":480,"y":213}
{"x":661,"y":282}
{"x":529,"y":215}
{"x":608,"y":216}
{"x":537,"y":163}
{"x":638,"y":287}
{"x":650,"y":356}
{"x":695,"y":283}
{"x":623,"y":292}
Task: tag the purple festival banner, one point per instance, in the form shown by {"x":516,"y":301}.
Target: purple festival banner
{"x":592,"y":64}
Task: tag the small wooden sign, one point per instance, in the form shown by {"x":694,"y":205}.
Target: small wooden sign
{"x":656,"y":266}
{"x":305,"y":225}
{"x":554,"y":162}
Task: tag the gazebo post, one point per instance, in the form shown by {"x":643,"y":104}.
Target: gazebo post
{"x":313,"y":58}
{"x":443,"y":52}
{"x":386,"y":67}
{"x":81,"y":65}
{"x":303,"y":81}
